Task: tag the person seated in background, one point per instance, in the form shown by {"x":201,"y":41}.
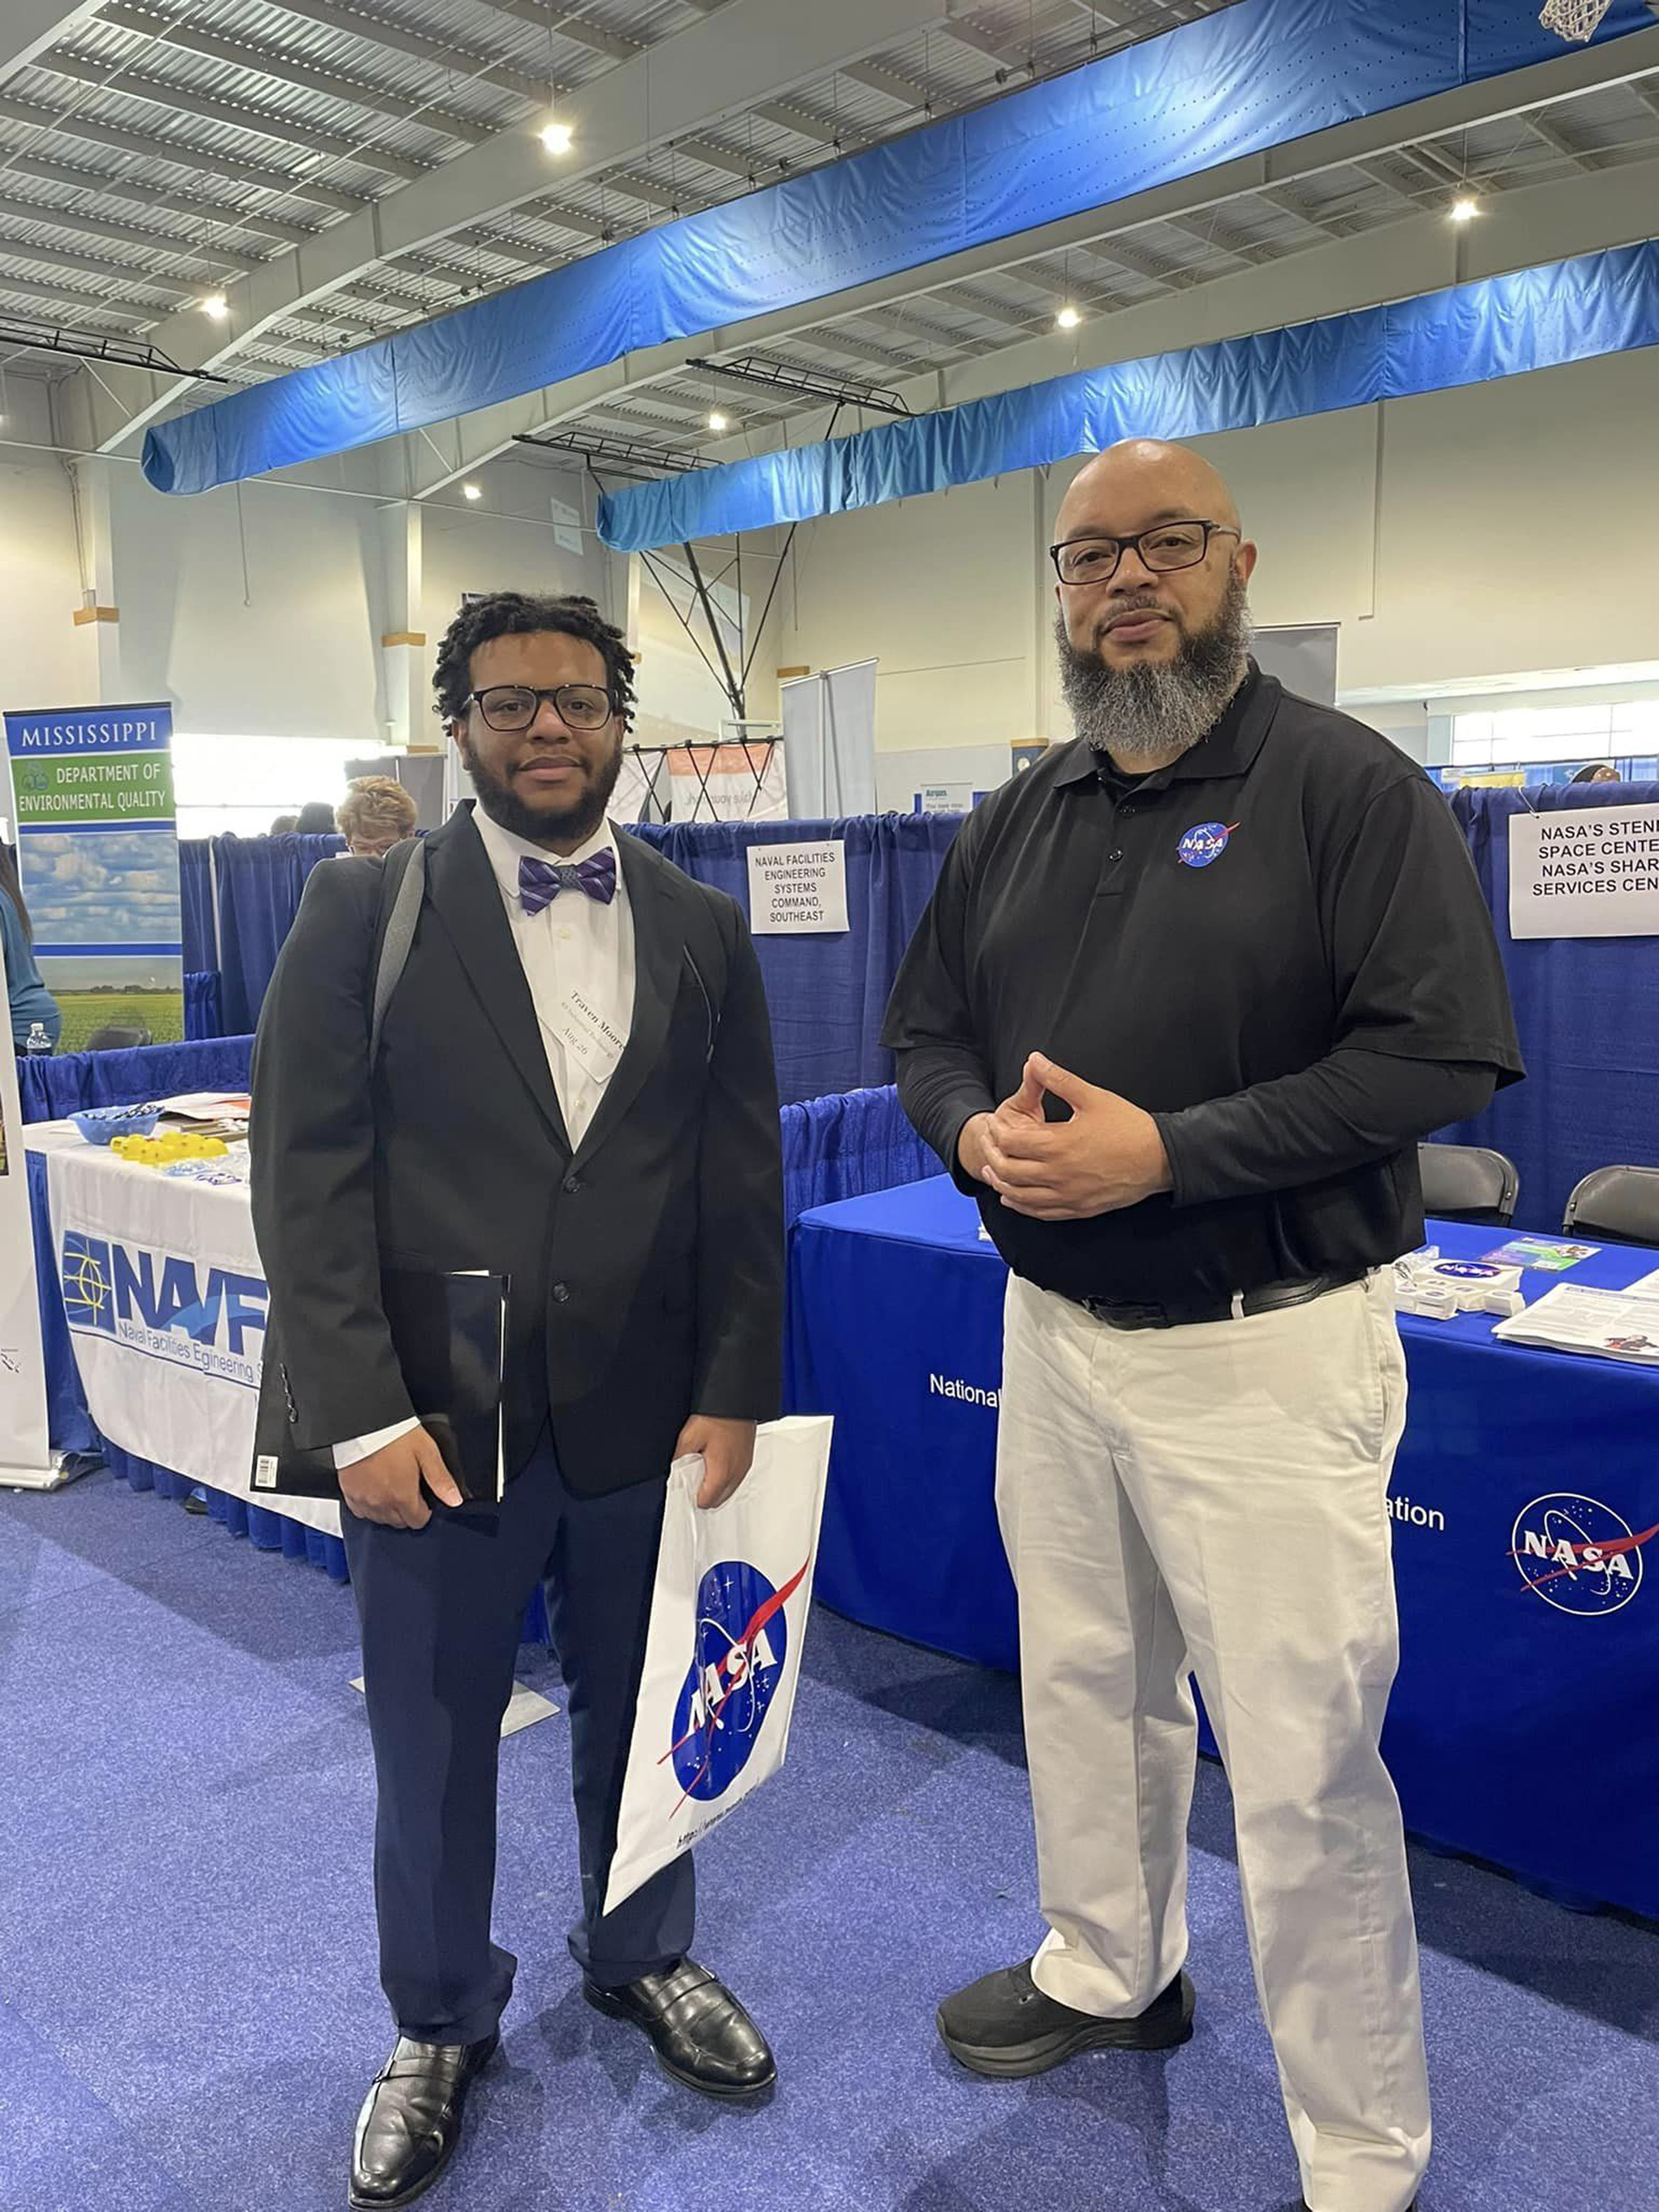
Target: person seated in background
{"x":315,"y":819}
{"x":33,"y":1009}
{"x":375,"y":814}
{"x":1598,"y":772}
{"x":284,"y":825}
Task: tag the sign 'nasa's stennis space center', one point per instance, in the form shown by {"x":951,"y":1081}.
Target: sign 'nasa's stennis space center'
{"x":1588,"y":874}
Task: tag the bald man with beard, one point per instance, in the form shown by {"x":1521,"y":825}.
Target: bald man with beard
{"x":1187,"y":996}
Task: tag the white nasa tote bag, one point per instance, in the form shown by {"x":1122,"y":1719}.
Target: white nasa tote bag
{"x":722,"y":1654}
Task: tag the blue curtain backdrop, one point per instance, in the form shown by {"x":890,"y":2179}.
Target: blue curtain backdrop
{"x":202,"y":1015}
{"x":195,"y":900}
{"x":827,"y":995}
{"x":844,"y":1146}
{"x":260,"y":880}
{"x":1588,"y":1009}
{"x":1588,"y":1012}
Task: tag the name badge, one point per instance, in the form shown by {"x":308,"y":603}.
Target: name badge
{"x":592,"y":1041}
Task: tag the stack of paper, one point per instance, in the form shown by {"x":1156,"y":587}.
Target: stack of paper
{"x":1606,"y":1324}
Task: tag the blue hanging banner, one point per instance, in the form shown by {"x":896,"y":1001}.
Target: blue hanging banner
{"x":1253,"y":77}
{"x":1599,"y":303}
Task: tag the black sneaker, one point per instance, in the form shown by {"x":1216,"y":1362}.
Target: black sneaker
{"x":1004,"y":2026}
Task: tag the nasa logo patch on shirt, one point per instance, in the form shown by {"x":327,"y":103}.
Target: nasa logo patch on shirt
{"x":1204,"y":842}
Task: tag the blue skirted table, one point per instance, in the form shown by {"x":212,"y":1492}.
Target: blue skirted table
{"x":1522,"y":1728}
{"x":832,"y":1148}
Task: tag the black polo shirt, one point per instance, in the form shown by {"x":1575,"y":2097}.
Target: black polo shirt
{"x":1294,"y":888}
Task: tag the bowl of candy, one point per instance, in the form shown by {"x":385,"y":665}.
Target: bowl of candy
{"x":101,"y":1125}
{"x":166,"y":1151}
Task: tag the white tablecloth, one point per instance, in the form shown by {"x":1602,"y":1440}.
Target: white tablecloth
{"x":166,"y":1299}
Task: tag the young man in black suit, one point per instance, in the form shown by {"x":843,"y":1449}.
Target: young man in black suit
{"x":574,"y":1087}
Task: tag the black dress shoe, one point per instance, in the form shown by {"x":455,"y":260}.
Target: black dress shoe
{"x":702,"y":2035}
{"x":1004,"y":2027}
{"x":410,"y":2122}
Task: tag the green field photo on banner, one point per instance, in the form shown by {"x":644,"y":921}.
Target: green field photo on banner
{"x":98,"y":858}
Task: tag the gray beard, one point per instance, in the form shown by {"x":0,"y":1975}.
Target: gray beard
{"x":1151,"y":712}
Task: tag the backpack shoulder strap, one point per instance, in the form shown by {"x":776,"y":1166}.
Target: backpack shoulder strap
{"x":402,"y":887}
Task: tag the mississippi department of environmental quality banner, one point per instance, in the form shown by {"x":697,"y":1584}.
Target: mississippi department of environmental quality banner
{"x":98,"y":853}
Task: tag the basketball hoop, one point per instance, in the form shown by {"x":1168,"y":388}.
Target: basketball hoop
{"x":1574,"y":19}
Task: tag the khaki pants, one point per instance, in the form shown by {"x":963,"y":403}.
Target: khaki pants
{"x":1214,"y":1499}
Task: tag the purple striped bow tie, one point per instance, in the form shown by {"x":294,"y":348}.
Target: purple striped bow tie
{"x":540,"y":881}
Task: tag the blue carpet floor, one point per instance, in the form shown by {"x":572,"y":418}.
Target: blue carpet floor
{"x":189,"y":2013}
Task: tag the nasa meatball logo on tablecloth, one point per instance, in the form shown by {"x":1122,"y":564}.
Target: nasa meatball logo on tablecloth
{"x":1578,"y":1554}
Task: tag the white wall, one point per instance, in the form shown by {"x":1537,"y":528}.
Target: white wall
{"x":254,"y":625}
{"x":260,"y":615}
{"x":942,"y":593}
{"x":44,"y":660}
{"x":1475,"y":573}
{"x":505,"y":543}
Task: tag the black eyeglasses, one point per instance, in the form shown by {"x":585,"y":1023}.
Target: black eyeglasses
{"x":1167,"y":546}
{"x":515,"y":705}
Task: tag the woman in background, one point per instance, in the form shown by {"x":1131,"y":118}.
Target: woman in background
{"x":375,"y":814}
{"x":30,"y":1001}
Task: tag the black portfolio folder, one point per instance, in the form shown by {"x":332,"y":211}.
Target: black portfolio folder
{"x":449,"y":1333}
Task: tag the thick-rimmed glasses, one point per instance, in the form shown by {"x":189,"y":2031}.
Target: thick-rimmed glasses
{"x":515,"y":705}
{"x":1167,"y":546}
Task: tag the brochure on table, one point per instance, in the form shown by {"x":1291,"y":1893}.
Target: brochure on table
{"x":1606,"y":1324}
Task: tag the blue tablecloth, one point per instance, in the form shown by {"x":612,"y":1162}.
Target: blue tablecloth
{"x":1520,"y":1732}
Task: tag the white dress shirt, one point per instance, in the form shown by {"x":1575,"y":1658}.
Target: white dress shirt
{"x":576,"y":949}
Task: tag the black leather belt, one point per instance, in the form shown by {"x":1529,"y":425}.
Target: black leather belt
{"x":1271,"y":1297}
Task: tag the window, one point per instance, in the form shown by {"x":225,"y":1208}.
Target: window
{"x":242,"y":784}
{"x":1625,"y":736}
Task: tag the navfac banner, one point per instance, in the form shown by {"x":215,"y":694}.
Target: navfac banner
{"x":98,"y":855}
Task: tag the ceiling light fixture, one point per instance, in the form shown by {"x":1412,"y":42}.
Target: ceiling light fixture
{"x":717,"y":421}
{"x":1068,"y":317}
{"x":1464,"y":209}
{"x":557,"y":137}
{"x":215,"y":307}
{"x":471,"y":491}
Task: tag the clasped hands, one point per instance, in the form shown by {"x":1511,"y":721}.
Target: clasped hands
{"x":1109,"y":1156}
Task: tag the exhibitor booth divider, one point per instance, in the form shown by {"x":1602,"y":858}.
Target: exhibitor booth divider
{"x":1588,"y":1009}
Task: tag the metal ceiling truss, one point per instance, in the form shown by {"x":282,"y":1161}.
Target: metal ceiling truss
{"x":813,"y":385}
{"x":89,"y":345}
{"x":617,"y":456}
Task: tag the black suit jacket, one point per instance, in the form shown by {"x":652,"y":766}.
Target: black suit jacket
{"x":646,"y":1267}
